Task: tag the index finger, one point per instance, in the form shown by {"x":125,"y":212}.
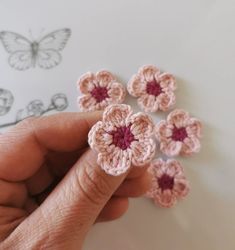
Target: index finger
{"x":23,"y":148}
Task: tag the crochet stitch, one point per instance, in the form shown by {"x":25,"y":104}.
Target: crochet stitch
{"x":169,"y":183}
{"x":122,"y":139}
{"x":179,"y":134}
{"x":154,"y":90}
{"x":99,"y":90}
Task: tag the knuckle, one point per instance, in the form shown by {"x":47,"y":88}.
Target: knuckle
{"x":28,"y":122}
{"x":22,"y":129}
{"x":26,"y":126}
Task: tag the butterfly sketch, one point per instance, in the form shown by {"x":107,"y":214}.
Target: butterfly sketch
{"x":44,"y":53}
{"x":35,"y":108}
{"x":6,"y":101}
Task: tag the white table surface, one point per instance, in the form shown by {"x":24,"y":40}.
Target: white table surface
{"x":194,"y":40}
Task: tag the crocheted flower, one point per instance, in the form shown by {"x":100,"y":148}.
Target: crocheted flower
{"x":169,"y":183}
{"x":179,"y":134}
{"x":122,"y":139}
{"x":100,"y":90}
{"x":155,"y":90}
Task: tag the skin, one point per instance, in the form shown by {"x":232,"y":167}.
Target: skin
{"x":51,"y":189}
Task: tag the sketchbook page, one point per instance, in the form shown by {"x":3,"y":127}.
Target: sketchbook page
{"x":35,"y":63}
{"x":194,"y":40}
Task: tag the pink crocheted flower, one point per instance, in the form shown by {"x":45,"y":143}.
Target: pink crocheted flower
{"x":100,"y":90}
{"x":169,"y":183}
{"x":122,"y":139}
{"x":179,"y":134}
{"x":155,"y":90}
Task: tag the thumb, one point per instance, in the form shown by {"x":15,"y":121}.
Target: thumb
{"x":79,"y":198}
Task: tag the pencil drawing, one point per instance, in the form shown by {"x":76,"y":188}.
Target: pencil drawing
{"x":26,"y":54}
{"x":35,"y":108}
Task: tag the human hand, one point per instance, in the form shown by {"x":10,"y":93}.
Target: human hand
{"x":51,"y":189}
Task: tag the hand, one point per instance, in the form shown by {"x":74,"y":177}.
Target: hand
{"x":51,"y":189}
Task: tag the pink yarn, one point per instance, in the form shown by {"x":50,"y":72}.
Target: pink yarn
{"x":122,"y":139}
{"x":99,"y":90}
{"x":179,"y":134}
{"x":154,"y":90}
{"x":169,"y":183}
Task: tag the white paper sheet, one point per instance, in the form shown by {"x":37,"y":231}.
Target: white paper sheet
{"x":195,"y":40}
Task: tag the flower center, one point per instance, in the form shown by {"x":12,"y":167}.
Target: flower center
{"x":100,"y":93}
{"x":166,"y":182}
{"x":153,"y":88}
{"x":179,"y":134}
{"x":123,"y":137}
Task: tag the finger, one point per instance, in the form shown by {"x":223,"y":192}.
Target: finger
{"x":137,"y":172}
{"x":26,"y":144}
{"x":10,"y":218}
{"x":30,"y":205}
{"x":39,"y":181}
{"x":134,"y":187}
{"x":114,"y":209}
{"x":56,"y":166}
{"x":12,"y":194}
{"x":60,"y":162}
{"x":79,"y":198}
{"x":39,"y":198}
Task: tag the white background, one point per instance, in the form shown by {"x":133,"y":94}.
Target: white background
{"x":194,"y":40}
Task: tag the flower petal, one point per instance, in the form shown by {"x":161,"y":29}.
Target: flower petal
{"x":87,"y":103}
{"x":150,"y":193}
{"x":191,"y":145}
{"x":98,"y":138}
{"x":142,"y":125}
{"x":170,"y":147}
{"x":142,"y":152}
{"x":148,"y":72}
{"x":116,"y":162}
{"x":105,"y":78}
{"x":194,"y":128}
{"x":165,"y":199}
{"x":179,"y":118}
{"x":153,"y":190}
{"x":166,"y":100}
{"x":148,"y":103}
{"x":157,"y":167}
{"x":163,"y":130}
{"x":117,"y":114}
{"x":158,"y":163}
{"x":86,"y":83}
{"x":116,"y":93}
{"x":181,"y":187}
{"x":103,"y":104}
{"x":136,"y":86}
{"x":174,"y":168}
{"x":167,"y":81}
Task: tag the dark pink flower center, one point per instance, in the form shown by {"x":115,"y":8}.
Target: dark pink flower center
{"x":166,"y":182}
{"x":123,"y":137}
{"x":153,"y":88}
{"x":179,"y":134}
{"x":100,"y":93}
